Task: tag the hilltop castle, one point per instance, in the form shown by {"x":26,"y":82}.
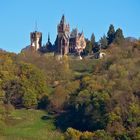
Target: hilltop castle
{"x":66,"y":42}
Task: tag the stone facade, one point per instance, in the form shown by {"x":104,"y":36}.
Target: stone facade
{"x":67,"y":42}
{"x":63,"y":36}
{"x":77,"y":42}
{"x":36,"y":40}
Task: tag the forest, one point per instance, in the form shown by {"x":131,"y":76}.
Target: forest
{"x":44,"y":98}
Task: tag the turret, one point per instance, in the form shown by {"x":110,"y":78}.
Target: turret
{"x":36,"y":40}
{"x":63,"y":27}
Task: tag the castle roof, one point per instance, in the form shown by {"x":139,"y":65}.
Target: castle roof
{"x":63,"y":19}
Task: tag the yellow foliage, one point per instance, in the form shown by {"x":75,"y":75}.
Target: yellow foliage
{"x":73,"y":134}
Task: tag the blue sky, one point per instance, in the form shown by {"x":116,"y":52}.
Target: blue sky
{"x":17,"y":18}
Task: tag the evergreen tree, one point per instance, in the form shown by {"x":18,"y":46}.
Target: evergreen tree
{"x":89,"y":47}
{"x":119,"y":37}
{"x":92,"y":39}
{"x":110,"y":34}
{"x":104,"y":42}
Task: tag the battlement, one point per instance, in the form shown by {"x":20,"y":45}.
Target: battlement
{"x":36,"y":40}
{"x":35,"y":35}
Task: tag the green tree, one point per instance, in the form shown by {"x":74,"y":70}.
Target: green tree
{"x":33,"y":78}
{"x":13,"y":92}
{"x":29,"y":99}
{"x":135,"y":134}
{"x":89,"y":110}
{"x":111,"y":34}
{"x":89,"y":47}
{"x":119,"y":37}
{"x":92,"y":40}
{"x":102,"y":135}
{"x":104,"y":42}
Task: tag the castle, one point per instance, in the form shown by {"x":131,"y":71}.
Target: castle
{"x":66,"y":42}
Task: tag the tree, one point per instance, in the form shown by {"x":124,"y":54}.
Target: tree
{"x":29,"y":99}
{"x":88,"y":109}
{"x":73,"y":134}
{"x":119,"y":37}
{"x":33,"y":78}
{"x":104,"y":42}
{"x":88,"y":48}
{"x":110,"y":34}
{"x":102,"y":135}
{"x":92,"y":39}
{"x":58,"y":99}
{"x":135,"y":134}
{"x":13,"y":92}
{"x":90,"y":44}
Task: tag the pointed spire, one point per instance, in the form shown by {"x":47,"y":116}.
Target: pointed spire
{"x":48,"y":37}
{"x":63,"y":20}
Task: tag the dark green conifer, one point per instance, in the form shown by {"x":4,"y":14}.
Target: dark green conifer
{"x":119,"y":37}
{"x":110,"y":34}
{"x":104,"y":42}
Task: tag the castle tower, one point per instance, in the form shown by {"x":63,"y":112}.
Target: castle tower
{"x":36,"y":40}
{"x":63,"y":31}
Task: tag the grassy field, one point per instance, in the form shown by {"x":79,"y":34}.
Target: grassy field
{"x":29,"y":125}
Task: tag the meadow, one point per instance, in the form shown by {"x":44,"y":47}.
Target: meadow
{"x":29,"y":125}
